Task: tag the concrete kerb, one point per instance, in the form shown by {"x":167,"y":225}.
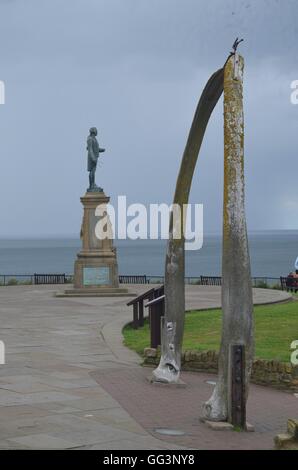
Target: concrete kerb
{"x":112,"y":335}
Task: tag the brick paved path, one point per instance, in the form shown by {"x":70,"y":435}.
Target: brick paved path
{"x":157,"y":406}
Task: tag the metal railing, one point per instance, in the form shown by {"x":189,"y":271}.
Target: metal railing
{"x":257,"y":281}
{"x":30,"y":279}
{"x":155,"y":304}
{"x":15,"y":279}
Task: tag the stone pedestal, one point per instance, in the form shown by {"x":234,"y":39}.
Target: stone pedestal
{"x":96,"y":268}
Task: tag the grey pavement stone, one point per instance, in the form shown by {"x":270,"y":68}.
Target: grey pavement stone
{"x":81,"y":430}
{"x":42,"y":441}
{"x":139,"y":443}
{"x":25,"y":387}
{"x":21,"y":411}
{"x":11,"y":398}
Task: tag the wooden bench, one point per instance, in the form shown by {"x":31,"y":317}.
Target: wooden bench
{"x":133,"y":279}
{"x":210,"y":280}
{"x":49,"y":279}
{"x":289,"y":283}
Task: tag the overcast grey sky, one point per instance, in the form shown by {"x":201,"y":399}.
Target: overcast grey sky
{"x":135,"y":69}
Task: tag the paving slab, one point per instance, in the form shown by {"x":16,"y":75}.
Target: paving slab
{"x":42,"y":441}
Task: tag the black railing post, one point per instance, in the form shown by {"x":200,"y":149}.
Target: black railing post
{"x":155,"y":327}
{"x":141,"y":312}
{"x":156,"y":311}
{"x":135,"y":316}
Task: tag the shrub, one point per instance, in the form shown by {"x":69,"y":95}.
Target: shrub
{"x":276,"y":287}
{"x":262,"y":285}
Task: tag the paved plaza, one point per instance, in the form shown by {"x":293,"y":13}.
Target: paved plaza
{"x":69,"y":383}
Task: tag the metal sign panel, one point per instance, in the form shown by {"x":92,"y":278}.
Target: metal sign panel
{"x":96,"y":276}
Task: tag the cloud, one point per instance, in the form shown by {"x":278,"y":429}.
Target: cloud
{"x":136,"y":69}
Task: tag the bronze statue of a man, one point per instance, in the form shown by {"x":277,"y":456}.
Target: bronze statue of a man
{"x":93,"y":153}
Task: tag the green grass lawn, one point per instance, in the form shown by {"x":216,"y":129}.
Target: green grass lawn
{"x":276,"y":326}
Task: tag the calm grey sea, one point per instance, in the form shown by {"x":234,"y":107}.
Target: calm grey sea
{"x":273,"y":253}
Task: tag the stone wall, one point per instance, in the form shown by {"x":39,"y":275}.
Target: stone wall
{"x":289,"y":440}
{"x":276,"y":374}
